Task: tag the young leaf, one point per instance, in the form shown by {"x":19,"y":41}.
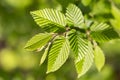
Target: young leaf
{"x":84,"y":64}
{"x":74,"y":15}
{"x":105,"y":35}
{"x":45,"y":54}
{"x":49,"y":18}
{"x":99,"y":26}
{"x":58,"y":54}
{"x":99,"y":58}
{"x":78,"y":45}
{"x":38,"y":41}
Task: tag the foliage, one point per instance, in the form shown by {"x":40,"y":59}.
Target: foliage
{"x":17,"y":26}
{"x":99,"y":58}
{"x":69,"y":33}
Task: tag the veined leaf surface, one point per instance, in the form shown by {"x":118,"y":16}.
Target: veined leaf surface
{"x":74,"y":15}
{"x":49,"y":19}
{"x":105,"y":35}
{"x":99,"y":26}
{"x":78,"y":45}
{"x":58,"y":53}
{"x":84,"y":65}
{"x":38,"y":41}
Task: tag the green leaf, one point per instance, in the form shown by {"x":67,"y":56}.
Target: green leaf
{"x":84,"y":64}
{"x":115,"y":12}
{"x":116,"y":21}
{"x":99,"y":58}
{"x":99,"y":26}
{"x":86,"y":2}
{"x":58,"y":54}
{"x":49,"y":19}
{"x":102,"y":32}
{"x":38,"y":41}
{"x":105,"y":35}
{"x":45,"y":54}
{"x":78,"y":45}
{"x":74,"y":15}
{"x":83,"y":52}
{"x":116,"y":24}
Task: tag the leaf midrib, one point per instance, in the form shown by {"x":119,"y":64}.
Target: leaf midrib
{"x":52,"y":22}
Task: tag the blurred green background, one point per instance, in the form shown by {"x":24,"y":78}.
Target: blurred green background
{"x":17,"y":27}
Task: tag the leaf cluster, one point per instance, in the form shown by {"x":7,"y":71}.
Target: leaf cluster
{"x":70,"y":33}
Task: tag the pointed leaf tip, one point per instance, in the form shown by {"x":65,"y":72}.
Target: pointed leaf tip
{"x":45,"y":54}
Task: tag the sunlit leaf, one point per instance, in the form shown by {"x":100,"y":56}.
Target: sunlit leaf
{"x":99,"y":26}
{"x":49,"y":19}
{"x":115,"y":12}
{"x":74,"y":15}
{"x":38,"y":41}
{"x":45,"y":54}
{"x":78,"y":45}
{"x":83,"y":52}
{"x":84,"y":64}
{"x":58,"y":54}
{"x":116,"y":21}
{"x":105,"y":35}
{"x":99,"y":58}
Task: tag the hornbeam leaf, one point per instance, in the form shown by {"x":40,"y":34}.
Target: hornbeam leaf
{"x":58,"y":54}
{"x":38,"y":41}
{"x":102,"y":32}
{"x":45,"y":54}
{"x":105,"y":35}
{"x":99,"y":58}
{"x":49,"y":19}
{"x":99,"y":26}
{"x":84,"y":64}
{"x":74,"y":15}
{"x":78,"y":45}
